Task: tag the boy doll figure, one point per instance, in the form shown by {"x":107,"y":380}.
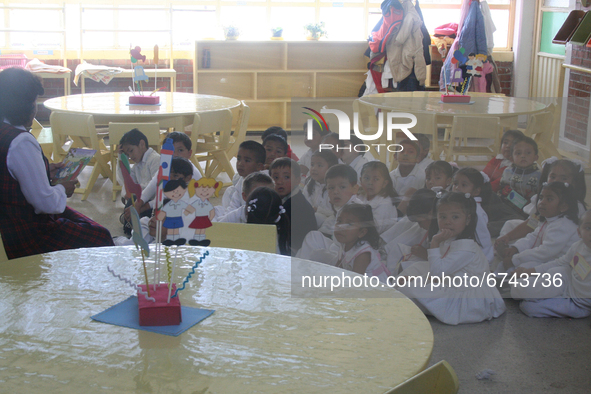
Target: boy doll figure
{"x":171,"y":212}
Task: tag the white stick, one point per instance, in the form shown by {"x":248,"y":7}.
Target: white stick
{"x":155,"y":72}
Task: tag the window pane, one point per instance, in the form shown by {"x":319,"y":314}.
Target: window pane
{"x":98,"y":19}
{"x":189,"y":26}
{"x":292,"y":19}
{"x":501,"y":19}
{"x":374,"y":16}
{"x":343,"y":24}
{"x":252,"y":21}
{"x":435,"y":18}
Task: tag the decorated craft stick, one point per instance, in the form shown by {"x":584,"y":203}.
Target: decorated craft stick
{"x":124,"y":279}
{"x":166,"y":154}
{"x":145,"y":272}
{"x":190,"y":274}
{"x":156,"y":69}
{"x":171,"y":212}
{"x":168,"y":263}
{"x":172,"y":275}
{"x":131,"y":187}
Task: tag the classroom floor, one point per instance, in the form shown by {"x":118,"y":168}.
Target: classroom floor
{"x":527,"y":355}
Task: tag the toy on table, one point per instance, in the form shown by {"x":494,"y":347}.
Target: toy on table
{"x":139,"y":76}
{"x":171,"y":212}
{"x":458,"y":78}
{"x":203,"y":190}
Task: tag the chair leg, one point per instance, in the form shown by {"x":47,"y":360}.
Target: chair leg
{"x":223,"y":165}
{"x":93,"y":177}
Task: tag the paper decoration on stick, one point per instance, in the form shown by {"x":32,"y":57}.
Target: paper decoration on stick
{"x":137,"y":235}
{"x":131,"y":188}
{"x":202,"y":190}
{"x":136,"y":55}
{"x":156,"y":67}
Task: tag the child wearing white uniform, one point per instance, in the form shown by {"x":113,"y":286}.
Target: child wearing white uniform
{"x":454,"y":252}
{"x":554,"y":235}
{"x":379,"y":193}
{"x":315,"y":188}
{"x":357,"y":240}
{"x":569,"y":297}
{"x":411,"y":245}
{"x":251,"y":182}
{"x":471,"y":181}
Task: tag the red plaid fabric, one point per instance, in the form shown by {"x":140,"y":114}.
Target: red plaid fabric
{"x":24,"y":232}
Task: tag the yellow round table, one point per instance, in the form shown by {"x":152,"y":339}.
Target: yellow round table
{"x":267,"y":335}
{"x":176,"y":109}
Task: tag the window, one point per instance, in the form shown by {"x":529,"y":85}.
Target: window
{"x":178,"y":23}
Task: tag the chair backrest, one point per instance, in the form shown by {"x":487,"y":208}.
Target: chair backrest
{"x":150,"y":130}
{"x":239,"y":134}
{"x":437,"y":379}
{"x":484,"y":127}
{"x":65,"y":125}
{"x":3,"y":256}
{"x":255,"y":237}
{"x":216,"y":123}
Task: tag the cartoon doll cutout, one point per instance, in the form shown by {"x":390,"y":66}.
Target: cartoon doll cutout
{"x":172,"y":211}
{"x":201,"y":191}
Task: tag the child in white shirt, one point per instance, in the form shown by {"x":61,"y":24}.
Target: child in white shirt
{"x":313,"y":143}
{"x":350,"y":156}
{"x":251,"y":182}
{"x":407,"y":177}
{"x":379,"y":193}
{"x":315,"y":187}
{"x":563,"y":288}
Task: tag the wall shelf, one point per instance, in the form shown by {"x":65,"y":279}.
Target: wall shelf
{"x":267,"y":75}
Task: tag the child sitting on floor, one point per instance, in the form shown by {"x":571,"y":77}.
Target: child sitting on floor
{"x":454,"y":251}
{"x":496,"y":166}
{"x":275,"y":147}
{"x":554,"y":235}
{"x":264,"y":206}
{"x":350,"y":156}
{"x":134,"y":144}
{"x":315,"y":189}
{"x":250,"y":158}
{"x":279,"y":131}
{"x":299,"y":211}
{"x":471,"y":182}
{"x":423,"y":159}
{"x":438,"y":175}
{"x":569,"y":297}
{"x":313,"y":143}
{"x":379,"y":193}
{"x":409,"y":242}
{"x":407,"y":177}
{"x":251,"y":182}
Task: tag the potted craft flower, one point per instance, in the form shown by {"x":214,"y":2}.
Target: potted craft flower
{"x":276,"y":33}
{"x":231,"y":32}
{"x":314,"y":31}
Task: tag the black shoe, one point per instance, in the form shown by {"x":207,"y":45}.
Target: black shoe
{"x":180,"y":242}
{"x":205,"y":242}
{"x":193,"y":242}
{"x":168,"y":242}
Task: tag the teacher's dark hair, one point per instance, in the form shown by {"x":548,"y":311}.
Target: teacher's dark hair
{"x":19,"y":89}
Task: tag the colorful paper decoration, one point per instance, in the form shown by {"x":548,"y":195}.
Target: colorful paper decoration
{"x":131,"y":188}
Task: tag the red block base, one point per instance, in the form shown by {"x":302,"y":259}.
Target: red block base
{"x":159,"y":313}
{"x":455,"y":98}
{"x":149,"y":100}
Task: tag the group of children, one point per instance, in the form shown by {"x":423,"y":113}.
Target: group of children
{"x":424,"y":219}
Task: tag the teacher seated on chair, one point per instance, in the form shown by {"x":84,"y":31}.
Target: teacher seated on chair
{"x":34,"y":217}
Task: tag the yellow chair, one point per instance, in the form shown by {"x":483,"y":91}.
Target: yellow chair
{"x":541,"y":128}
{"x":239,"y":134}
{"x":437,"y":379}
{"x":116,"y":131}
{"x":210,"y":137}
{"x":3,"y":256}
{"x":255,"y":237}
{"x":80,"y":128}
{"x":44,"y":137}
{"x":466,"y":130}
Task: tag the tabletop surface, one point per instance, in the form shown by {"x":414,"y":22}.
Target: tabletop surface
{"x":117,"y":104}
{"x":268,"y":333}
{"x":491,"y":106}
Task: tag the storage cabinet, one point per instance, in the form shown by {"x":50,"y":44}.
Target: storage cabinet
{"x":267,"y":75}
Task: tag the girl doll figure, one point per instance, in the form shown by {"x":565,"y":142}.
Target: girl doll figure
{"x":172,"y":210}
{"x":553,"y":170}
{"x":264,"y":207}
{"x":471,"y":181}
{"x":379,"y":193}
{"x":358,"y":241}
{"x":201,"y":191}
{"x":554,"y":235}
{"x":454,"y":252}
{"x":315,"y":187}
